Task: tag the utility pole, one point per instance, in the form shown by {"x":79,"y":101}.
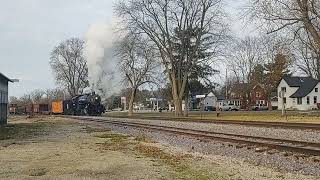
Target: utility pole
{"x":226,"y":83}
{"x":283,"y":104}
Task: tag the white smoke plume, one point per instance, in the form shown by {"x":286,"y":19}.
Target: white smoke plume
{"x":99,"y":53}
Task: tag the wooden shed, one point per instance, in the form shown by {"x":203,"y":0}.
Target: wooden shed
{"x":4,"y":98}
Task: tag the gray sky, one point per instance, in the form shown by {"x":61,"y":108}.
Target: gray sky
{"x":30,"y":29}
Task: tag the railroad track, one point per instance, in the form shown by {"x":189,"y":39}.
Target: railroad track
{"x":306,"y":148}
{"x":285,"y":125}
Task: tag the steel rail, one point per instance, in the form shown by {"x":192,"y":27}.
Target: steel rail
{"x":308,"y":148}
{"x":286,"y":125}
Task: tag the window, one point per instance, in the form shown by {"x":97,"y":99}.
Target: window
{"x":284,"y":89}
{"x":315,"y":99}
{"x":257,"y":94}
{"x":284,"y":100}
{"x":299,"y":100}
{"x":316,"y":89}
{"x":308,"y":100}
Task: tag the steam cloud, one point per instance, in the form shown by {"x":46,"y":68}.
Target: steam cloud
{"x":99,"y":51}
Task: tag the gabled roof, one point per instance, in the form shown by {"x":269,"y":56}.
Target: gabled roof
{"x":305,"y":85}
{"x":5,"y":77}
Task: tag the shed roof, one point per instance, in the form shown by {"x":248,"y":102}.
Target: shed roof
{"x":305,"y":85}
{"x":5,"y":77}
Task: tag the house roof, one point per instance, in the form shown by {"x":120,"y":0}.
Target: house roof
{"x":305,"y":85}
{"x":5,"y":77}
{"x":221,"y":97}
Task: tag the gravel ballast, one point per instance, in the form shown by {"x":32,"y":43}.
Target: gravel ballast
{"x":306,"y":135}
{"x":279,"y":161}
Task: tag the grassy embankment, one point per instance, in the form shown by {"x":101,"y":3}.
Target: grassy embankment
{"x":269,"y":116}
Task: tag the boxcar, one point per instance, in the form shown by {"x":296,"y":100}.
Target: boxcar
{"x":13,"y":108}
{"x":57,"y":107}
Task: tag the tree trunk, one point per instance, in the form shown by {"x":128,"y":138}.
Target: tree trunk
{"x":186,"y":106}
{"x":269,"y":105}
{"x":132,"y":97}
{"x":178,"y":106}
{"x":318,"y":67}
{"x":177,"y":100}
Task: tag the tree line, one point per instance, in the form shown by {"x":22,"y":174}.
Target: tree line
{"x":179,"y":42}
{"x":39,"y":96}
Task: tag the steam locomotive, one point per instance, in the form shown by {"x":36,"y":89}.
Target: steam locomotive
{"x":81,"y":105}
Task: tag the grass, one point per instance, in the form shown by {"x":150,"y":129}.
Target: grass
{"x":180,"y":163}
{"x":38,"y":172}
{"x":140,"y":145}
{"x":116,"y":138}
{"x":24,"y":130}
{"x":89,"y":129}
{"x":268,"y":116}
{"x":115,"y":142}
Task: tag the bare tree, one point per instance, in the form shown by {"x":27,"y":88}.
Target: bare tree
{"x":299,"y":15}
{"x":298,"y":18}
{"x":245,"y":55}
{"x":37,"y":95}
{"x":307,"y":56}
{"x":137,"y":63}
{"x":192,"y":24}
{"x":13,"y":100}
{"x":55,"y":94}
{"x":69,"y":65}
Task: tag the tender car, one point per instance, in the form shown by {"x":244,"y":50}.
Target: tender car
{"x":229,"y":107}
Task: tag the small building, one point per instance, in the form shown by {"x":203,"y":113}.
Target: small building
{"x":298,"y":93}
{"x":4,"y":98}
{"x":207,"y":102}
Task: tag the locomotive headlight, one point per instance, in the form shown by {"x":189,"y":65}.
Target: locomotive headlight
{"x":97,"y":98}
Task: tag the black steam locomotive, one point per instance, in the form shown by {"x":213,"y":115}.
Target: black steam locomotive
{"x":84,"y":105}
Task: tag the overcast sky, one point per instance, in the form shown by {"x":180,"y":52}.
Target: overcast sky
{"x":30,"y":29}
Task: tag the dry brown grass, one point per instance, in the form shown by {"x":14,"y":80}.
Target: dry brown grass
{"x":67,"y":151}
{"x":269,"y":116}
{"x":179,"y":162}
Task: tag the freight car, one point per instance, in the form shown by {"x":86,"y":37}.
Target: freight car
{"x":29,"y":109}
{"x":81,"y":105}
{"x":13,"y":108}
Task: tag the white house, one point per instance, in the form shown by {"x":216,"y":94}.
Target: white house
{"x":300,"y":93}
{"x":209,"y":101}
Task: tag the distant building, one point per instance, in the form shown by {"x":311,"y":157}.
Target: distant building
{"x":207,"y":102}
{"x":259,"y":96}
{"x":3,"y":98}
{"x":300,"y":93}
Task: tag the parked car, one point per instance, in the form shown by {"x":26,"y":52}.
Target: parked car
{"x":210,"y":108}
{"x":163,"y":109}
{"x":229,"y":107}
{"x":259,"y":107}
